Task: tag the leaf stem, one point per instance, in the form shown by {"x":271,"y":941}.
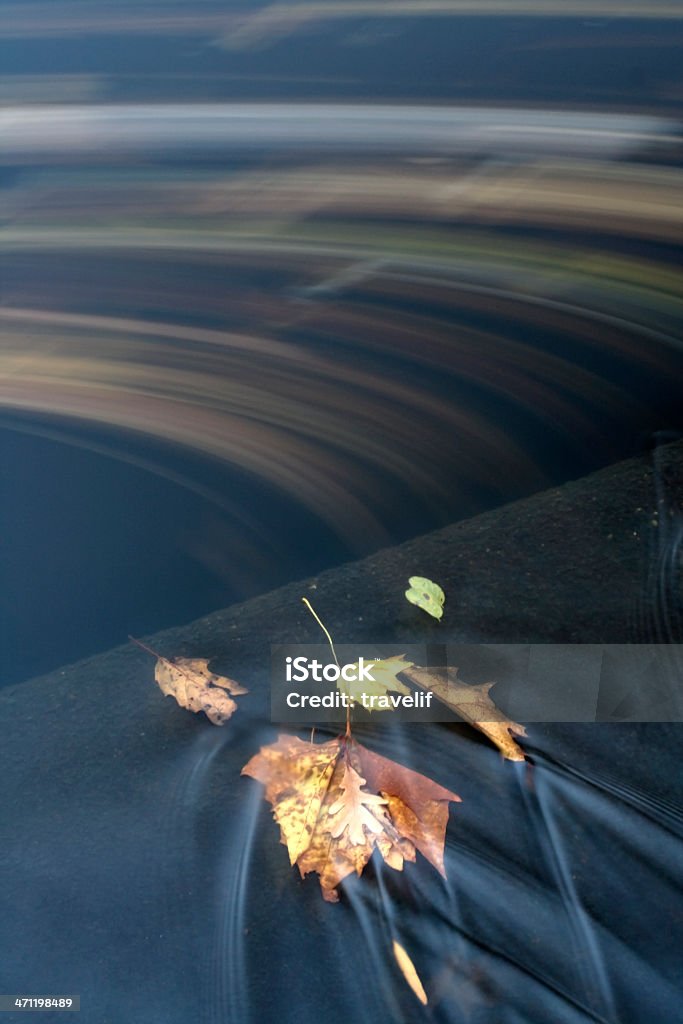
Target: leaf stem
{"x":146,"y":648}
{"x":334,"y":655}
{"x":322,"y":626}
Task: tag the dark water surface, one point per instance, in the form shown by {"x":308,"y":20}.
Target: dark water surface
{"x":282,"y":287}
{"x":620,"y":62}
{"x":142,"y":872}
{"x":184,"y":473}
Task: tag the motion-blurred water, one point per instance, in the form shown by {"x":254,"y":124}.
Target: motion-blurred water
{"x":282,"y":284}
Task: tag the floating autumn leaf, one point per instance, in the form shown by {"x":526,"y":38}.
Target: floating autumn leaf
{"x":194,"y":686}
{"x":197,"y":689}
{"x":427,"y":595}
{"x":384,"y":679}
{"x":336,"y":802}
{"x":474,"y":705}
{"x":355,"y":810}
{"x":409,"y":973}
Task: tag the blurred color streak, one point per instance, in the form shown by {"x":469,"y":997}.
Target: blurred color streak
{"x":254,"y":24}
{"x":354,"y":303}
{"x":200,"y":129}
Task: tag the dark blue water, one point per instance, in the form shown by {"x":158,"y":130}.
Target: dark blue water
{"x":110,"y":532}
{"x":620,"y":62}
{"x":237,"y":350}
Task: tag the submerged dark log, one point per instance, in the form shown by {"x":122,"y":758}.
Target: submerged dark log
{"x":140,"y":871}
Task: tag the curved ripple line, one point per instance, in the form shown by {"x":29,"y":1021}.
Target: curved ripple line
{"x":542,"y":811}
{"x":228,"y":991}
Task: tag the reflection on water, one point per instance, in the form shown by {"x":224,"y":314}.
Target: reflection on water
{"x":342,"y":274}
{"x":389,"y":316}
{"x":192,"y":130}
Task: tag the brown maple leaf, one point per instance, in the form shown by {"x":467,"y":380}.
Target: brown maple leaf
{"x":474,"y":705}
{"x":336,"y":802}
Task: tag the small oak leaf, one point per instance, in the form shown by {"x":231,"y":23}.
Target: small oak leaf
{"x":474,"y":705}
{"x":355,"y":810}
{"x":196,"y":688}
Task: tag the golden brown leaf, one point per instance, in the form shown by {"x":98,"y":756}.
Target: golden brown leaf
{"x":473,"y":704}
{"x":409,"y":973}
{"x":191,"y":683}
{"x":336,"y":802}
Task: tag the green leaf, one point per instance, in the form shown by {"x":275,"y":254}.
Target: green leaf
{"x":426,"y":595}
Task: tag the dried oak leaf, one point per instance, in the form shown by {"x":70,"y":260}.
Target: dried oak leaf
{"x":336,"y":802}
{"x":196,"y":688}
{"x":473,"y":704}
{"x":355,"y":810}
